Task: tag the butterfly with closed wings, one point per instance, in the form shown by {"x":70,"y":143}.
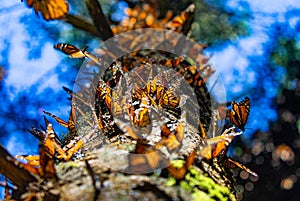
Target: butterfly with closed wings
{"x":71,"y":50}
{"x":239,"y":113}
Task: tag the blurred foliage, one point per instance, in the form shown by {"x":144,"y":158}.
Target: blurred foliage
{"x":215,"y":23}
{"x":287,"y":54}
{"x":285,"y":50}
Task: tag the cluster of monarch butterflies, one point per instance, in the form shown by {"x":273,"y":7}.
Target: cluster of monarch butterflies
{"x":38,"y":166}
{"x":153,"y":94}
{"x":238,"y":114}
{"x":146,"y":16}
{"x":50,"y":149}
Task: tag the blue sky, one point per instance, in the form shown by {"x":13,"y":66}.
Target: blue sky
{"x":23,"y":72}
{"x":241,"y":63}
{"x":20,"y":67}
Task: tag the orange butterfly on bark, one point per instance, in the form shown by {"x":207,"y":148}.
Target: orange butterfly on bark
{"x":179,"y":173}
{"x":218,"y":146}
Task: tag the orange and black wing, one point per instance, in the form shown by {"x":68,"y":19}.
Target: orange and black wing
{"x":71,"y":122}
{"x":182,"y":22}
{"x":234,"y":164}
{"x":179,"y":173}
{"x":239,"y":113}
{"x":211,"y":151}
{"x":47,"y":151}
{"x":59,"y":120}
{"x":49,"y":9}
{"x":71,"y":50}
{"x":46,"y":169}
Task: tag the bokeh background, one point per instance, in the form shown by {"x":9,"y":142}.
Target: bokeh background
{"x":254,"y":44}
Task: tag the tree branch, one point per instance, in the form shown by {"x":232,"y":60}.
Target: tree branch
{"x":99,"y":19}
{"x":13,"y":170}
{"x":82,"y":24}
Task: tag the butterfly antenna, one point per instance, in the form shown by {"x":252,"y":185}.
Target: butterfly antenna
{"x":46,"y":120}
{"x":57,"y":140}
{"x":43,"y":128}
{"x":85,"y":48}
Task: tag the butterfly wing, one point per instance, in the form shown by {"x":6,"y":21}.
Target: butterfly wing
{"x":234,"y":164}
{"x":182,"y":23}
{"x":59,"y":120}
{"x":49,"y":9}
{"x":70,"y":50}
{"x":179,"y":172}
{"x":239,"y":113}
{"x":71,"y":122}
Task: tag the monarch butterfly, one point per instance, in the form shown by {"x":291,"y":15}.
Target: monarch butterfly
{"x":234,"y":164}
{"x":179,"y":173}
{"x":49,"y":149}
{"x":145,"y":158}
{"x":182,"y":22}
{"x":239,"y":113}
{"x":218,"y":146}
{"x":173,"y":141}
{"x":47,"y":152}
{"x":71,"y":50}
{"x":168,"y":99}
{"x":50,"y":9}
{"x":71,"y":122}
{"x":146,"y":162}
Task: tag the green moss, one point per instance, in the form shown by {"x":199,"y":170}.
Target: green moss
{"x":204,"y":188}
{"x":178,"y":163}
{"x":201,"y":187}
{"x":201,"y":196}
{"x":185,"y":185}
{"x":171,"y":181}
{"x":68,"y":165}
